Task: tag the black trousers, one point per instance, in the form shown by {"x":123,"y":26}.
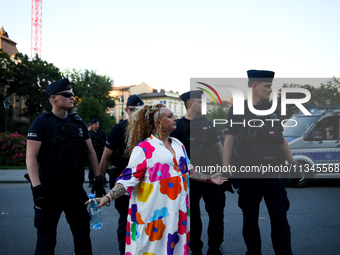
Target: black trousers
{"x":274,"y":193}
{"x":69,"y":198}
{"x":122,"y":206}
{"x":214,"y":199}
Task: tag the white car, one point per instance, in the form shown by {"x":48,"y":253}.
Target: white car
{"x":314,"y":142}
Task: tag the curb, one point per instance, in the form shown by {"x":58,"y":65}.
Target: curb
{"x":17,"y":176}
{"x":13,"y":181}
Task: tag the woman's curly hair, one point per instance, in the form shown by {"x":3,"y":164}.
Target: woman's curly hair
{"x":141,"y":126}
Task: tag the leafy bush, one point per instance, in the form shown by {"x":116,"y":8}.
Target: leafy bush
{"x":13,"y":149}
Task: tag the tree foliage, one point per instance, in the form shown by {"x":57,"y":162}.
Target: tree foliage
{"x":90,"y":108}
{"x":3,"y":114}
{"x":326,"y":94}
{"x":219,"y":112}
{"x":6,"y":66}
{"x":29,"y":80}
{"x":87,"y":83}
{"x":93,"y":96}
{"x":329,"y":93}
{"x":5,"y":76}
{"x":310,"y":88}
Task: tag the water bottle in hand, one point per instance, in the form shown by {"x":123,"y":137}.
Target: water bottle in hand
{"x":94,"y":211}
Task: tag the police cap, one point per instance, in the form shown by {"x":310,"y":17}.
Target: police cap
{"x":57,"y":86}
{"x":94,"y":121}
{"x":191,"y":94}
{"x":260,"y":75}
{"x":134,"y":100}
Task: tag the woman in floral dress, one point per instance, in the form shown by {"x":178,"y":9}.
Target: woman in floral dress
{"x":157,"y":180}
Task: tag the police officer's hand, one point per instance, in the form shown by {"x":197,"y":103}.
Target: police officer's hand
{"x":293,"y":177}
{"x":39,"y":196}
{"x":98,"y":188}
{"x":218,"y":179}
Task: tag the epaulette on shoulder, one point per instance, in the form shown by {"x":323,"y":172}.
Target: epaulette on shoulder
{"x":75,"y":117}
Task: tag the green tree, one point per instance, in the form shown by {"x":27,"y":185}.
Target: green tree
{"x":87,"y":83}
{"x":329,"y":93}
{"x":326,"y":94}
{"x":89,"y":108}
{"x":29,"y":80}
{"x":310,"y":88}
{"x":3,"y":114}
{"x":6,"y":74}
{"x":219,"y":112}
{"x":6,"y":66}
{"x":107,"y":123}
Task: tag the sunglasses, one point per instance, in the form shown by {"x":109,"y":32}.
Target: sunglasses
{"x":65,"y":94}
{"x":131,"y":109}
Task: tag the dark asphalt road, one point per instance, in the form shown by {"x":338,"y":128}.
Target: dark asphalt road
{"x":314,"y":217}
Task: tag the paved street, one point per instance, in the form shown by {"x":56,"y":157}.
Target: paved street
{"x":313,"y":216}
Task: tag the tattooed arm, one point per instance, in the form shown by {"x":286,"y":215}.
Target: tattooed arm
{"x":215,"y":178}
{"x":117,"y":191}
{"x":199,"y":176}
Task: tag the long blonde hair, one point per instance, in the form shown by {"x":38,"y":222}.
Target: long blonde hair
{"x":141,"y":126}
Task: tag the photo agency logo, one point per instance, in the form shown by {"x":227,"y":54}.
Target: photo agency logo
{"x":223,"y":88}
{"x":289,"y":97}
{"x":207,"y":91}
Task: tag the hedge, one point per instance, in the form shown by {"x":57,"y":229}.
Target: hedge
{"x":13,"y":149}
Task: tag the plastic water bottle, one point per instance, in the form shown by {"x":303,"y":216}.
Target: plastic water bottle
{"x":94,"y":211}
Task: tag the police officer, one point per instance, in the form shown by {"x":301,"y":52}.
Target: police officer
{"x":58,"y":147}
{"x":114,"y":152}
{"x":89,"y":126}
{"x":204,"y":149}
{"x":98,"y":138}
{"x":260,"y":142}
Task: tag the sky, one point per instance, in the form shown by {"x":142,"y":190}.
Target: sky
{"x":165,"y":43}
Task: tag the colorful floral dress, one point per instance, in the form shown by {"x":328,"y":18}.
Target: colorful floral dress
{"x":158,"y":220}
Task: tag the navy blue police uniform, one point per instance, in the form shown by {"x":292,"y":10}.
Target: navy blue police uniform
{"x":260,"y":145}
{"x":116,"y":142}
{"x":61,"y":158}
{"x":199,"y":138}
{"x":98,"y":141}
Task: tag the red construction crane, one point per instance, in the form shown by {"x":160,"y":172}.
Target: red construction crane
{"x":36,"y":28}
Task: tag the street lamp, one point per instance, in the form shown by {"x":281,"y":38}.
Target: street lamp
{"x":7,"y":104}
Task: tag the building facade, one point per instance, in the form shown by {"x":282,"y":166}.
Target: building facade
{"x":121,"y":95}
{"x":18,"y":103}
{"x":149,"y":96}
{"x":169,"y":98}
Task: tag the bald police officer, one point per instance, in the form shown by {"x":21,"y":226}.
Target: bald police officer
{"x":260,"y":144}
{"x":58,"y":146}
